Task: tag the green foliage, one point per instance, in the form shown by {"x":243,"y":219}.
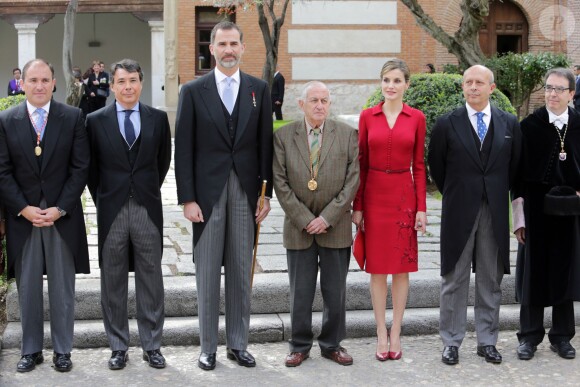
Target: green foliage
{"x":438,"y":94}
{"x":8,"y":102}
{"x":519,"y":75}
{"x":280,"y":123}
{"x":452,"y":69}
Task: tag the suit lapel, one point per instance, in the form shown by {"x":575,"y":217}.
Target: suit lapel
{"x":245,"y":95}
{"x":213,"y":104}
{"x":146,"y":134}
{"x":462,"y":126}
{"x":23,"y":132}
{"x":327,"y":141}
{"x":499,"y":132}
{"x":301,"y":141}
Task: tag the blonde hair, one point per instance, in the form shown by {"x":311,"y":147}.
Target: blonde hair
{"x":396,"y":64}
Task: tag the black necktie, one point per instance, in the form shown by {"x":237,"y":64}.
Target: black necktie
{"x":129,"y":128}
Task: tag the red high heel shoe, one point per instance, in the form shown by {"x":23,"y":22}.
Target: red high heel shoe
{"x":381,"y":356}
{"x":394,"y":355}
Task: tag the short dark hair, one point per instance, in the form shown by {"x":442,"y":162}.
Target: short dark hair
{"x":225,"y":25}
{"x":129,"y":65}
{"x":564,"y":73}
{"x":33,"y":61}
{"x":577,"y":67}
{"x":16,"y":69}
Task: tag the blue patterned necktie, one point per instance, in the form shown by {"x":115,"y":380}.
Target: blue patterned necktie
{"x":129,"y":128}
{"x":481,"y":127}
{"x":39,"y":123}
{"x":228,"y":95}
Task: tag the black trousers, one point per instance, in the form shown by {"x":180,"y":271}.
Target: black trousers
{"x":532,"y":323}
{"x":277,"y":110}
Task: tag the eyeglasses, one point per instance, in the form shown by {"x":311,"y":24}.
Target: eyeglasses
{"x":558,"y":90}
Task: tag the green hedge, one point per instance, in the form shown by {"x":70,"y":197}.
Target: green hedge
{"x":437,"y":94}
{"x":8,"y":102}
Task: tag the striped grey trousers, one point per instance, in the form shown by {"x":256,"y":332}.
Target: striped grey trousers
{"x":133,"y":231}
{"x":481,"y":247}
{"x":228,"y":237}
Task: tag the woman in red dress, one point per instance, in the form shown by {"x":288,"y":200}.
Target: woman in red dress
{"x":390,"y":203}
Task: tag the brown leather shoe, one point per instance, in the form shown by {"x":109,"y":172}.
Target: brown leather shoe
{"x":338,"y":356}
{"x":294,"y":359}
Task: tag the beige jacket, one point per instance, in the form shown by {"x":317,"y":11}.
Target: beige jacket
{"x":338,"y":180}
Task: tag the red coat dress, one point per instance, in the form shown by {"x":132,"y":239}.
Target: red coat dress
{"x":392,"y":188}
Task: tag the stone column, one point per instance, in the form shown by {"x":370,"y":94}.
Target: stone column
{"x":26,"y":42}
{"x":157,"y":63}
{"x":170,"y":19}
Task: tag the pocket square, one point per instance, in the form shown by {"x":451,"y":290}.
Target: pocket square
{"x":508,"y":137}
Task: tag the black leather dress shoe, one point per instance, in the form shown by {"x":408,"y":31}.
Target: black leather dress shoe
{"x":526,"y":350}
{"x":450,"y":355}
{"x":243,"y":357}
{"x":564,"y":349}
{"x":155,"y":358}
{"x":28,"y":362}
{"x":118,"y":360}
{"x":62,"y":362}
{"x":206,"y":361}
{"x":490,"y":353}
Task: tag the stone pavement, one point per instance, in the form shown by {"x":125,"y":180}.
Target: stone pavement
{"x":269,"y":327}
{"x":419,"y":366}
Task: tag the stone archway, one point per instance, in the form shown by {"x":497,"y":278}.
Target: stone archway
{"x":506,"y":29}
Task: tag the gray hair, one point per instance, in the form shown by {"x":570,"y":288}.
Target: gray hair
{"x":225,"y":25}
{"x":309,"y":86}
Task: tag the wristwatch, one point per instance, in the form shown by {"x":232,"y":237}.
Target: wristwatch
{"x":61,"y":212}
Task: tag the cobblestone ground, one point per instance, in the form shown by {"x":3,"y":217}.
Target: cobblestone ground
{"x":420,"y":366}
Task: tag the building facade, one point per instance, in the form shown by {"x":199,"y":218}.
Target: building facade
{"x":342,"y":42}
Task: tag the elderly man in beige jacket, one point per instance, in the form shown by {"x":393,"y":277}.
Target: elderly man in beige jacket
{"x":316,"y":175}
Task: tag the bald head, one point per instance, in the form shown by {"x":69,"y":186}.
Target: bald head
{"x":478,"y":86}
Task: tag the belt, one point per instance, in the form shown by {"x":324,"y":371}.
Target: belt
{"x":391,"y":170}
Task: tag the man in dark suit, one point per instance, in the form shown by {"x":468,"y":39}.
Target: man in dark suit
{"x":317,"y":228}
{"x":223,"y":152}
{"x":131,"y":152}
{"x":473,"y":157}
{"x":278,"y":84}
{"x":44,"y":166}
{"x":577,"y":93}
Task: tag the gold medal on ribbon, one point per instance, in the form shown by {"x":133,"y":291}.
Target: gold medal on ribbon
{"x":312,"y":185}
{"x":37,"y":150}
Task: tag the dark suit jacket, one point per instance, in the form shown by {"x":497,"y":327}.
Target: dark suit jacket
{"x":338,"y":180}
{"x":577,"y":95}
{"x":60,"y":179}
{"x":204,"y":152}
{"x":278,"y":84}
{"x":456,"y":167}
{"x":111,"y":173}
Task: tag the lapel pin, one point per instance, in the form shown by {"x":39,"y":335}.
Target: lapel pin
{"x":254,"y":98}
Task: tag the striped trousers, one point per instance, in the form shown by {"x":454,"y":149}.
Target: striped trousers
{"x":227,"y":238}
{"x":482,"y":249}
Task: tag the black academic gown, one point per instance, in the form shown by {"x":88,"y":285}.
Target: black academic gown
{"x":548,"y":267}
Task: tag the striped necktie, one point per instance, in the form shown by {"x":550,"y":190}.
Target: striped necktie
{"x":314,"y":149}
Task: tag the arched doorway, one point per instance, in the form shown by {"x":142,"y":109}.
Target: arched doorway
{"x":504,"y":30}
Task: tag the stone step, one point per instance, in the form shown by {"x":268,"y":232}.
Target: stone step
{"x":270,"y":295}
{"x":272,"y":327}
